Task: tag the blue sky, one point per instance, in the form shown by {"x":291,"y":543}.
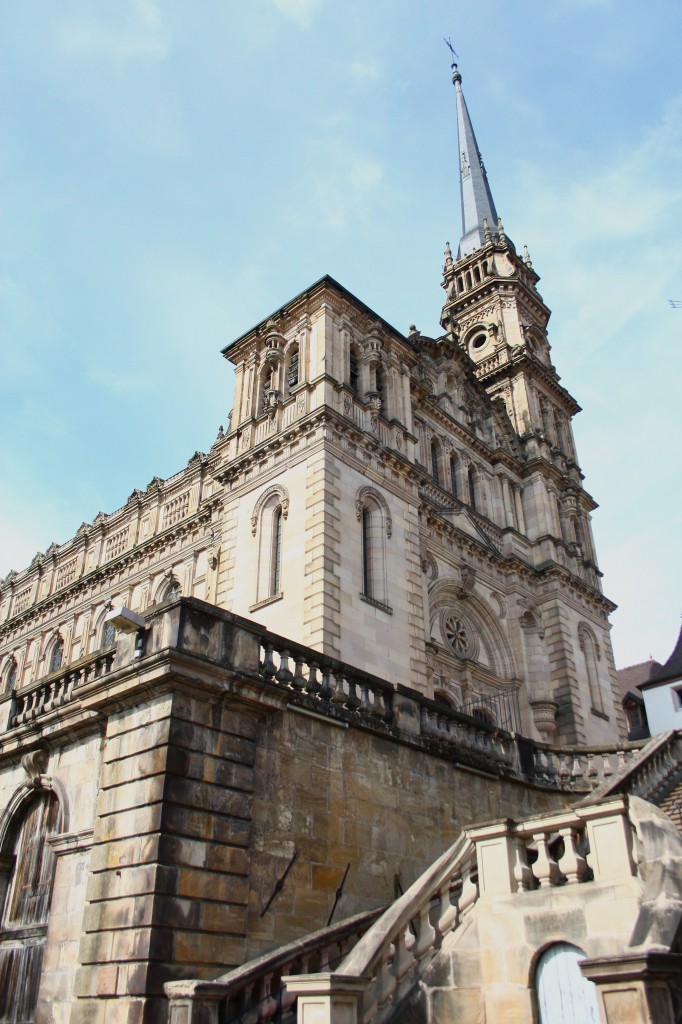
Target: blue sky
{"x":173,"y":172}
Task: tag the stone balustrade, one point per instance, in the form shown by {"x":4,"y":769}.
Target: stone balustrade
{"x":316,"y":683}
{"x":328,"y":684}
{"x":582,"y":769}
{"x":505,"y":858}
{"x":255,"y":992}
{"x":381,"y":967}
{"x":56,"y":691}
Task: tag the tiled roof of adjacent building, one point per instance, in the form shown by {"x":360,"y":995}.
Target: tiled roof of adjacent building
{"x":631,"y":677}
{"x":672,"y":669}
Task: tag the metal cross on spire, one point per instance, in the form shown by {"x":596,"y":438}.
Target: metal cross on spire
{"x":450,"y":48}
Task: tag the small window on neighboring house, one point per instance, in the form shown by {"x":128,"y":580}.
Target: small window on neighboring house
{"x":353,"y":368}
{"x":292,"y":373}
{"x":56,"y":656}
{"x":677,"y":699}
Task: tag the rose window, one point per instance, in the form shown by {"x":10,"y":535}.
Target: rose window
{"x":456,"y":635}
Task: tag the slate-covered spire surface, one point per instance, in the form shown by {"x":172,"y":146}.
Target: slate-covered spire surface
{"x":477,"y":200}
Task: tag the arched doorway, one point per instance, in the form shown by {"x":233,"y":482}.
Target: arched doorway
{"x":564,"y":996}
{"x":23,"y":926}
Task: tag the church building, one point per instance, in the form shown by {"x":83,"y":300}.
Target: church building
{"x":266,"y":693}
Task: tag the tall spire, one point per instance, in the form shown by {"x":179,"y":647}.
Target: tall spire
{"x":477,"y":201}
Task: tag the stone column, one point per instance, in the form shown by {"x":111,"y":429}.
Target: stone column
{"x":635,"y":988}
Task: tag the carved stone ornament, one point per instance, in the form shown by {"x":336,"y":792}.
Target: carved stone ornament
{"x":459,"y":634}
{"x":468,"y":576}
{"x":544,"y":716}
{"x":34,"y":764}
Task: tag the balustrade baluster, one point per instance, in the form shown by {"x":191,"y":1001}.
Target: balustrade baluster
{"x":284,"y":675}
{"x":447,"y":912}
{"x":469,"y":893}
{"x":426,"y":933}
{"x":267,"y":1004}
{"x":298,"y":680}
{"x":267,"y":669}
{"x":352,"y":702}
{"x":572,"y":865}
{"x":577,"y":771}
{"x":606,"y":766}
{"x":386,"y":979}
{"x":621,"y":759}
{"x":339,"y":696}
{"x":564,"y":767}
{"x":312,"y":686}
{"x":403,"y":959}
{"x":365,"y":702}
{"x":592,"y":773}
{"x":545,"y":869}
{"x":523,"y":874}
{"x":326,"y":690}
{"x":324,"y":959}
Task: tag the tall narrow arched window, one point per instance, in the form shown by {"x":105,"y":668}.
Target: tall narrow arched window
{"x":353,"y":371}
{"x":276,"y":554}
{"x":108,"y":634}
{"x":293,"y":368}
{"x":267,"y":522}
{"x":56,"y":656}
{"x":10,"y":680}
{"x":435,"y":461}
{"x":375,"y":525}
{"x":563,"y":995}
{"x":590,"y":648}
{"x":23,"y":928}
{"x":379,"y":380}
{"x":474,"y":497}
{"x":454,"y":470}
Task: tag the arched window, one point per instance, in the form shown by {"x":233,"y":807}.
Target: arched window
{"x":108,"y":634}
{"x":590,"y":648}
{"x":454,"y":470}
{"x":293,"y":368}
{"x":267,"y":521}
{"x":474,"y":496}
{"x":56,"y":656}
{"x":23,"y":928}
{"x":435,"y":461}
{"x":563,"y":995}
{"x":170,"y":592}
{"x":374,"y":526}
{"x":276,"y":555}
{"x":353,"y":371}
{"x":10,"y":680}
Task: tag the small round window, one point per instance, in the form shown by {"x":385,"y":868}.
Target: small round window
{"x":479,"y":341}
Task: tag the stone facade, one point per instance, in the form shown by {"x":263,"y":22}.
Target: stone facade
{"x":267,"y":692}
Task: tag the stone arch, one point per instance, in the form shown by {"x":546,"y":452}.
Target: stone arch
{"x":446,"y":596}
{"x":164,"y":587}
{"x":370,"y":492}
{"x":276,"y":489}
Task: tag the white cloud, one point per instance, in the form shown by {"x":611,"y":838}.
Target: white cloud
{"x":364,"y":70}
{"x":301,"y":12}
{"x":133,"y":31}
